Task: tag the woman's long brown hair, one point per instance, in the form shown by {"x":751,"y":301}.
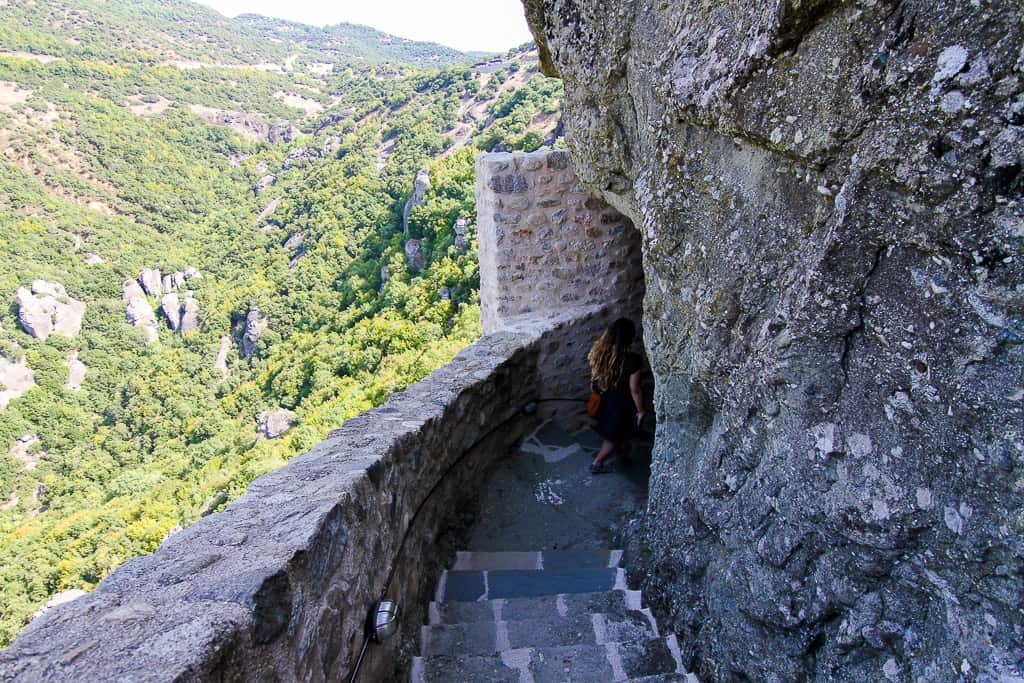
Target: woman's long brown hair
{"x":608,"y":354}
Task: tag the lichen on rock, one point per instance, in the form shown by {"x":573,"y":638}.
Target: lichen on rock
{"x":830,"y":199}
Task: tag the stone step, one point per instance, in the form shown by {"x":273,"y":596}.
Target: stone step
{"x":579,"y":663}
{"x":667,"y":678}
{"x":472,"y":586}
{"x":616,"y":602}
{"x":575,"y":629}
{"x":538,"y":560}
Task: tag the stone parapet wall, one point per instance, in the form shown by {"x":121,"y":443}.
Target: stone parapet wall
{"x":547,"y":244}
{"x":277,"y":587}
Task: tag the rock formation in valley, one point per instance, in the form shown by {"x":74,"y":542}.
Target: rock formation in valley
{"x":272,"y":424}
{"x":264,"y":183}
{"x":221,"y":363}
{"x":170,"y":304}
{"x":25,"y":451}
{"x":189,"y":314}
{"x":414,"y":255}
{"x":255,"y":326}
{"x":829,"y":195}
{"x":45,"y":308}
{"x":76,"y":373}
{"x":151,"y":282}
{"x":138,"y":312}
{"x":16,"y":378}
{"x":460,"y":228}
{"x":419,"y":191}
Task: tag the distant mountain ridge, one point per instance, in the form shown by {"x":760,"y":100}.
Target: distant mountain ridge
{"x":183,"y":31}
{"x":356,"y":41}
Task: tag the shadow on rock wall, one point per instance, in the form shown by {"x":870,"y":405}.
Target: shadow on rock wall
{"x":830,"y":200}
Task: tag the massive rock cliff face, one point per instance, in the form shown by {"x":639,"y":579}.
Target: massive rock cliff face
{"x":830,"y":200}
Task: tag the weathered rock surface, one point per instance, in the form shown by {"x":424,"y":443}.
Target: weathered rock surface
{"x":130,"y":289}
{"x":189,"y":314}
{"x":249,"y":126}
{"x":16,"y":378}
{"x":281,"y":132}
{"x":46,"y":309}
{"x":222,"y":356}
{"x":182,"y":313}
{"x":331,"y":145}
{"x":76,"y":373}
{"x":460,"y":228}
{"x":150,"y":281}
{"x":298,"y":158}
{"x":272,"y":424}
{"x":297,"y":243}
{"x":270,"y":208}
{"x":59,"y":599}
{"x":419,"y":191}
{"x":171,"y":306}
{"x":172,"y":282}
{"x":830,"y":199}
{"x":138,"y":312}
{"x":255,"y":326}
{"x":414,"y":254}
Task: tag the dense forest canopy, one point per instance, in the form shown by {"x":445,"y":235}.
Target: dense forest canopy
{"x":270,"y":164}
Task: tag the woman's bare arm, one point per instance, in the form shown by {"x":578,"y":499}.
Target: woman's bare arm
{"x":638,"y":396}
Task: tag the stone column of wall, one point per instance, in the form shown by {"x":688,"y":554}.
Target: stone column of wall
{"x":547,"y":244}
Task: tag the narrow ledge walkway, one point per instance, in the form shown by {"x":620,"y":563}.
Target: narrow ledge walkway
{"x":539,"y":596}
{"x":545,"y":498}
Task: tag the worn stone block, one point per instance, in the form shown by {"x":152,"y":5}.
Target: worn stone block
{"x":558,"y":160}
{"x":507,"y":217}
{"x":508,"y":184}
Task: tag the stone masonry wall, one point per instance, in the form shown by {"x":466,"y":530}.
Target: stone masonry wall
{"x":277,"y":587}
{"x":547,"y":244}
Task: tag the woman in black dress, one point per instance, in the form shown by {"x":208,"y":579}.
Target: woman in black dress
{"x":615,"y":374}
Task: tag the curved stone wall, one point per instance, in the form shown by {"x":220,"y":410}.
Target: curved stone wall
{"x":546,"y":243}
{"x":277,"y":587}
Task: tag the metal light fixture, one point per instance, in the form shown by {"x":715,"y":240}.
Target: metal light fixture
{"x":385,"y":620}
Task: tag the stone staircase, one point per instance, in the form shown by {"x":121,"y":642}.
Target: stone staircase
{"x":542,"y":617}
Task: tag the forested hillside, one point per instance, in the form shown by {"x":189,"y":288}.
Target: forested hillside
{"x":309,"y":207}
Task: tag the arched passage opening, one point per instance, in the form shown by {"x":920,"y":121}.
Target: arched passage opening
{"x":550,"y":248}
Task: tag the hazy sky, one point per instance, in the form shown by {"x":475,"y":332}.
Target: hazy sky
{"x":485,"y":25}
